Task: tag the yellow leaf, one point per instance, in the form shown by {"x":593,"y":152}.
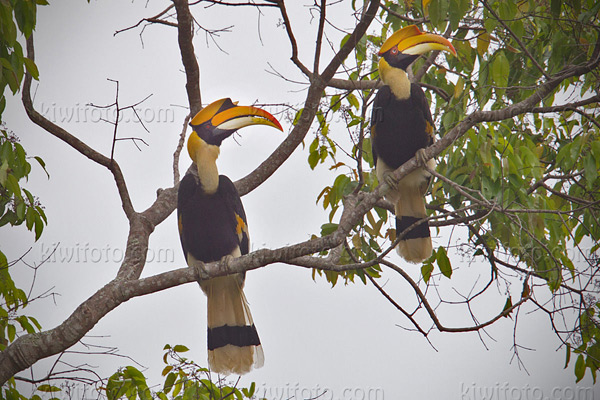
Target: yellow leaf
{"x":483,"y":42}
{"x":426,"y":7}
{"x":459,"y":87}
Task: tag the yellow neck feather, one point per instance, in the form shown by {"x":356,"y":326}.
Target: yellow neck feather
{"x":205,"y":157}
{"x":395,"y":78}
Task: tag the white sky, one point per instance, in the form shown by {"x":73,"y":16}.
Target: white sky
{"x":345,"y":339}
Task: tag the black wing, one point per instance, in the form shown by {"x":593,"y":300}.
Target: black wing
{"x":211,"y":225}
{"x":400,"y":127}
{"x":382,"y":100}
{"x":234,"y":202}
{"x":422,"y":105}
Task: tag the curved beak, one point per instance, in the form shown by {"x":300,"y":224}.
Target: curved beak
{"x":410,"y":40}
{"x":241,"y":116}
{"x":223,"y":117}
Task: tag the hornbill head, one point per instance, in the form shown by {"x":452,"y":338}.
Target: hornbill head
{"x":406,"y":44}
{"x":221,"y":119}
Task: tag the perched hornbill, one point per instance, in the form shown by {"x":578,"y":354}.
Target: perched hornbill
{"x":212,"y":226}
{"x":401,"y":125}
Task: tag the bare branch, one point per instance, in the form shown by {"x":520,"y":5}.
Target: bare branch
{"x":70,"y":139}
{"x":185,"y":31}
{"x":269,"y":3}
{"x":433,"y":315}
{"x":152,"y":20}
{"x":315,"y":91}
{"x":323,"y":9}
{"x":292,"y":38}
{"x":177,"y":152}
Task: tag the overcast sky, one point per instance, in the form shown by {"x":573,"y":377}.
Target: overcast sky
{"x":347,"y":339}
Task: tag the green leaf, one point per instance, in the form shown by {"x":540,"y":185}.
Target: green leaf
{"x":590,"y":170}
{"x":166,"y":370}
{"x":32,"y":69}
{"x":24,"y":322}
{"x":48,"y":388}
{"x":297,"y":116}
{"x":507,"y":307}
{"x":443,"y":262}
{"x":3,"y":172}
{"x":555,"y":6}
{"x":39,"y":226}
{"x":455,"y":14}
{"x":500,"y":70}
{"x":580,"y":368}
{"x":568,"y":355}
{"x":353,"y":101}
{"x":169,"y":381}
{"x":438,"y":10}
{"x":483,"y":42}
{"x":251,"y":390}
{"x":426,"y":271}
{"x":29,"y":218}
{"x":328,"y":228}
{"x":335,"y":102}
{"x":13,"y":185}
{"x":12,"y":332}
{"x":36,"y":323}
{"x":180,"y":348}
{"x":21,"y":209}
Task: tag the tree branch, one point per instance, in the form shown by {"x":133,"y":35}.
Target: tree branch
{"x":292,"y":38}
{"x":313,"y":97}
{"x":319,"y":41}
{"x":178,"y":149}
{"x":151,"y":20}
{"x":185,"y":34}
{"x":71,"y":140}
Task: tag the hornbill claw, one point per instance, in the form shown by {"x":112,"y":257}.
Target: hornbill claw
{"x":421,"y":158}
{"x":392,"y":182}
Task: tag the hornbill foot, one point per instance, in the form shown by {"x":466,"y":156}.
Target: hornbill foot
{"x":225,"y":262}
{"x":392,"y":182}
{"x":421,"y":158}
{"x":200,"y":271}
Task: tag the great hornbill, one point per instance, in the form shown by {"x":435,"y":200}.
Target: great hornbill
{"x":401,"y":126}
{"x":212,"y":226}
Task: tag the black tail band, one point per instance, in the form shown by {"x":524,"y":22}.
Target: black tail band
{"x":418,"y":232}
{"x":240,"y":336}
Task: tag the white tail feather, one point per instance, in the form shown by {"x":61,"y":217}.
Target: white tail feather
{"x":227,"y":305}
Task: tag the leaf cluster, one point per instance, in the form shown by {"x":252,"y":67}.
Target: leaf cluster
{"x":16,"y":16}
{"x":17,"y":206}
{"x":184,"y":380}
{"x":527,"y":185}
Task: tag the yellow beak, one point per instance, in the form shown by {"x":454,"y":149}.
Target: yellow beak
{"x":225,"y":115}
{"x":411,"y":41}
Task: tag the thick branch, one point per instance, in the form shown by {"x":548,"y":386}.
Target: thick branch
{"x":185,"y":34}
{"x":28,"y":349}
